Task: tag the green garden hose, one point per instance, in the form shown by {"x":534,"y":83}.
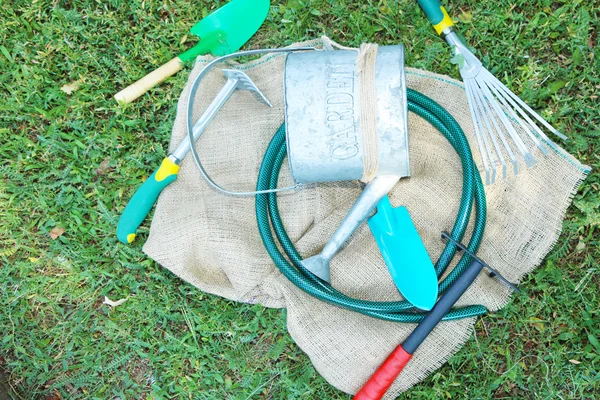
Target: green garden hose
{"x":269,"y":221}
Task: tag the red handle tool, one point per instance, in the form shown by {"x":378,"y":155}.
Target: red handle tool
{"x":383,"y":378}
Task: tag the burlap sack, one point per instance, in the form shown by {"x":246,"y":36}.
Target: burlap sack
{"x":212,"y":241}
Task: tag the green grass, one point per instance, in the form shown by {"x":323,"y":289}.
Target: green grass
{"x":72,"y":160}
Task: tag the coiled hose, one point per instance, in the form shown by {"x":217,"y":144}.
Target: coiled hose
{"x":267,"y":214}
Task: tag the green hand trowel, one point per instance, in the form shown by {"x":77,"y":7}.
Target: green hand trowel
{"x":404,"y":254}
{"x":222,"y":32}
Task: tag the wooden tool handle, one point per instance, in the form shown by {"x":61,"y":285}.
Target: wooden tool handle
{"x":385,"y":375}
{"x":135,"y":90}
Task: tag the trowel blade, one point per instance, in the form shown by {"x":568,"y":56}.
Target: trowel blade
{"x":234,"y":23}
{"x":405,"y":254}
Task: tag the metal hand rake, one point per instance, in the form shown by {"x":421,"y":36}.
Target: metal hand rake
{"x":501,"y":120}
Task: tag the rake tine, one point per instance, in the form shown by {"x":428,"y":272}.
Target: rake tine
{"x":494,"y":120}
{"x":481,"y":106}
{"x":499,"y":112}
{"x":494,"y":106}
{"x":480,"y":134}
{"x":530,"y":111}
{"x":529,"y":128}
{"x":492,"y":83}
{"x":511,"y":96}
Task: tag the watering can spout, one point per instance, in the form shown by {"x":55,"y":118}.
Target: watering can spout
{"x":318,"y":265}
{"x":401,"y":247}
{"x":364,"y":205}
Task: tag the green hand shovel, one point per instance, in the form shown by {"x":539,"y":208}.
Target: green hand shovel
{"x":222,"y":32}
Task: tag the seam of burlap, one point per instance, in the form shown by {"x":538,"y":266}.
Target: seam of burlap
{"x":212,"y":241}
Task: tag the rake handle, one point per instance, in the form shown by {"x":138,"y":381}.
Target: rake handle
{"x":383,"y":378}
{"x":436,"y":14}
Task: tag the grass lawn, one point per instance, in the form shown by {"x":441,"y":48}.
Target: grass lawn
{"x":70,"y":161}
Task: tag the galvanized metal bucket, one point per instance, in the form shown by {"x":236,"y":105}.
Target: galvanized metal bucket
{"x":322,"y":115}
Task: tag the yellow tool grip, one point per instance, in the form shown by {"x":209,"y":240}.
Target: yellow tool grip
{"x":167,"y":168}
{"x":446,"y":22}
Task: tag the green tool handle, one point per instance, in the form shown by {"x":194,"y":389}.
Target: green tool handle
{"x":205,"y":45}
{"x":436,"y":14}
{"x":144,"y":198}
{"x":433,"y":10}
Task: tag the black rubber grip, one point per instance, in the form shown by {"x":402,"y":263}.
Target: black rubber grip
{"x":443,"y":305}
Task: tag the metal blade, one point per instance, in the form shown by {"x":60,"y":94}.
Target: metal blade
{"x":245,"y":83}
{"x":236,"y":80}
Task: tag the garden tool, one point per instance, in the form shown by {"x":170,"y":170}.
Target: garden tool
{"x":495,"y":110}
{"x":385,"y":375}
{"x":405,"y":254}
{"x":221,"y":32}
{"x":144,"y":198}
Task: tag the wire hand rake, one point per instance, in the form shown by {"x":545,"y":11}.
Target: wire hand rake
{"x":501,"y":120}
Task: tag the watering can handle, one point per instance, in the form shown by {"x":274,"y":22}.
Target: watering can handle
{"x":436,"y":14}
{"x":190,"y":114}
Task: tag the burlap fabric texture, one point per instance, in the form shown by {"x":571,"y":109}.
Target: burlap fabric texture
{"x":211,"y":240}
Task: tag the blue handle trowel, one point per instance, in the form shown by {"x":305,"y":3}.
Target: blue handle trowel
{"x":404,"y":254}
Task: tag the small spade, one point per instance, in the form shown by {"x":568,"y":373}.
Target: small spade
{"x":404,"y":254}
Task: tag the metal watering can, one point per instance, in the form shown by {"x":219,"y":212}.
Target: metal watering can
{"x":327,"y":141}
{"x":323,"y":115}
